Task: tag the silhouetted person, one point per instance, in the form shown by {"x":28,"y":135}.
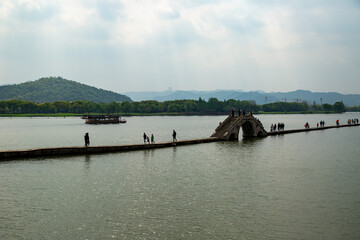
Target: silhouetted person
{"x":87,"y":139}
{"x":152,"y":138}
{"x":144,"y":138}
{"x":174,"y":136}
{"x":239,"y":112}
{"x":232,"y":112}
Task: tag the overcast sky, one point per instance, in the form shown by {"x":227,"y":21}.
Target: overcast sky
{"x":140,"y":45}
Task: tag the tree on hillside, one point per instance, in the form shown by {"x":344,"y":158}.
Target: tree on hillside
{"x":339,"y":107}
{"x":327,"y":107}
{"x":214,"y":105}
{"x":125,"y":107}
{"x":58,"y":89}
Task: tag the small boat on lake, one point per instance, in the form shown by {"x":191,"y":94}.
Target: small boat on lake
{"x":102,"y":119}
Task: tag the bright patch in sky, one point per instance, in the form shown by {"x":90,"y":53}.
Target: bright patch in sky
{"x":137,"y":45}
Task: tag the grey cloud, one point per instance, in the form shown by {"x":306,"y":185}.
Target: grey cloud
{"x":93,"y":32}
{"x":333,"y":21}
{"x":192,"y":4}
{"x":169,"y":14}
{"x":34,"y":14}
{"x":329,"y":25}
{"x":109,"y":10}
{"x":242,"y":26}
{"x":299,"y":5}
{"x":176,"y":54}
{"x":178,"y":33}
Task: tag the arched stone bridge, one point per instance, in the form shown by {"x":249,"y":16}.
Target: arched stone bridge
{"x":230,"y":127}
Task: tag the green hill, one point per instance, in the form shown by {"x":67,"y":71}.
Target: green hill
{"x":58,"y":89}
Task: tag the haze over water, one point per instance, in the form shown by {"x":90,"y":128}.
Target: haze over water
{"x":296,"y":186}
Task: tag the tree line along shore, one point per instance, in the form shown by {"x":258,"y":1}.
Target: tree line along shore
{"x":177,"y":107}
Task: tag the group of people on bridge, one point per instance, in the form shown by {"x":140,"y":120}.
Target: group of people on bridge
{"x":146,"y":138}
{"x":322,"y":124}
{"x":241,"y":112}
{"x":279,"y":126}
{"x":353,"y":121}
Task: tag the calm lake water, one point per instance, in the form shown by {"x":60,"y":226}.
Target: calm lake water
{"x":297,"y":186}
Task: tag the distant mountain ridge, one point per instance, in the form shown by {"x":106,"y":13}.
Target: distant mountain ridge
{"x":258,"y":96}
{"x":53,"y":89}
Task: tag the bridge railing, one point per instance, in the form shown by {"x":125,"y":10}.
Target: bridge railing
{"x":223,"y":123}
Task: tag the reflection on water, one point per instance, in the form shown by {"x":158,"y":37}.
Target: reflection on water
{"x":296,"y":186}
{"x":148,"y":154}
{"x":87,"y":161}
{"x":174,"y":153}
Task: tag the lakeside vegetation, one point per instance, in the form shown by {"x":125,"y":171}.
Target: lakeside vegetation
{"x":177,"y":107}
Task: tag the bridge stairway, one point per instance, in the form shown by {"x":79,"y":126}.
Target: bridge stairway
{"x":225,"y":126}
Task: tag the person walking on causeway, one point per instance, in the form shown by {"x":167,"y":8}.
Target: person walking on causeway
{"x":87,"y":139}
{"x":174,"y":136}
{"x":152,"y":138}
{"x":144,"y":138}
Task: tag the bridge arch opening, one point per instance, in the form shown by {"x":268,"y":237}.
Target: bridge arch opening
{"x":247,"y":129}
{"x":233,"y":136}
{"x":260,"y":134}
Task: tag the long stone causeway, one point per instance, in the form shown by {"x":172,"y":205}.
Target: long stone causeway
{"x":227,"y":130}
